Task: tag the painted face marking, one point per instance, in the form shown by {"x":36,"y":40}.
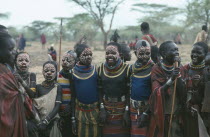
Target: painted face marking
{"x":23,"y":62}
{"x":112,"y":55}
{"x":49,"y":72}
{"x":143,"y":52}
{"x":68,"y":61}
{"x":86,"y":57}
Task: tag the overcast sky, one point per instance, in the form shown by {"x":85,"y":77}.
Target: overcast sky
{"x":23,"y":12}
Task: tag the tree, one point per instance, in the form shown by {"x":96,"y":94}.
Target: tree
{"x":38,"y":27}
{"x":4,"y":15}
{"x":160,"y":16}
{"x":198,"y":11}
{"x":82,"y":24}
{"x":157,"y":13}
{"x":99,"y":9}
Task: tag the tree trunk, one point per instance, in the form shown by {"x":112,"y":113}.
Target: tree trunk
{"x":105,"y":40}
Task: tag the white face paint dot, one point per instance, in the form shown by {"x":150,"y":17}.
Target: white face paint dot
{"x":23,"y":62}
{"x":49,"y":72}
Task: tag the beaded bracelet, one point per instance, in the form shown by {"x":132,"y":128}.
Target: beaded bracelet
{"x":102,"y":105}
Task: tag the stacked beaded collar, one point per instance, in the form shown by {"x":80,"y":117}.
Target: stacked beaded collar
{"x":199,"y":66}
{"x":114,"y":68}
{"x":83,"y":68}
{"x":138,"y":67}
{"x":167,"y":67}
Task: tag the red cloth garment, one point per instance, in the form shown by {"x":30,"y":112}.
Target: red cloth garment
{"x":113,"y":127}
{"x":151,"y":39}
{"x":158,"y":105}
{"x":12,"y":118}
{"x":43,"y":39}
{"x":157,"y":102}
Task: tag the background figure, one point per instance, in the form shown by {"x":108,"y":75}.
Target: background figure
{"x":126,"y":52}
{"x":145,"y":29}
{"x":52,"y":53}
{"x":178,"y":39}
{"x":202,"y":35}
{"x":43,"y":40}
{"x":21,"y":43}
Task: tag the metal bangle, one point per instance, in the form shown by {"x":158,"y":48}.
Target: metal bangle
{"x":169,"y":82}
{"x":144,"y":113}
{"x":126,"y":108}
{"x":102,"y":105}
{"x":46,"y":121}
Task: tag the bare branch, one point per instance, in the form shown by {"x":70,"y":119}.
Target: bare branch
{"x":113,"y":13}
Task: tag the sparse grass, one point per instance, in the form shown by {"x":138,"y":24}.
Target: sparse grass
{"x":39,"y":56}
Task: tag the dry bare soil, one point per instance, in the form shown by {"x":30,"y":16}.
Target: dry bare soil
{"x":39,"y":56}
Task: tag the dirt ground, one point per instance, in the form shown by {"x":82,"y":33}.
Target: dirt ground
{"x":39,"y":56}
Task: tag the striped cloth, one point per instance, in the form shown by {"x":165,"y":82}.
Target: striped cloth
{"x":114,"y":127}
{"x":135,"y":131}
{"x":87,"y":116}
{"x":66,"y":93}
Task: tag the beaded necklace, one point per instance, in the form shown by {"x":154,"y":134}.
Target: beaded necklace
{"x":167,"y":67}
{"x":199,"y":66}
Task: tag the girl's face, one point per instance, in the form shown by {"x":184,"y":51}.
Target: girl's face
{"x":49,"y":72}
{"x":68,"y":61}
{"x":23,"y":62}
{"x":112,"y":55}
{"x":86,"y":57}
{"x":197,"y":55}
{"x":143,"y":54}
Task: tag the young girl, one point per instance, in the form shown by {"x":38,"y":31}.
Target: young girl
{"x":85,"y":94}
{"x":140,"y":86}
{"x":47,"y":100}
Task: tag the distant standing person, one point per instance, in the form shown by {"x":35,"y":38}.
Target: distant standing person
{"x":43,"y":41}
{"x":202,"y":35}
{"x":52,"y":53}
{"x":178,"y":39}
{"x":21,"y":43}
{"x":145,"y":29}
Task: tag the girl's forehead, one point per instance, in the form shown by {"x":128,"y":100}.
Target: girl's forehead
{"x":49,"y":65}
{"x":23,"y":55}
{"x":143,"y":48}
{"x":111,"y":47}
{"x":67,"y":55}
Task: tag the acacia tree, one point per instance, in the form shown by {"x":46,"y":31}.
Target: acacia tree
{"x":4,"y":15}
{"x":82,"y":24}
{"x":36,"y":28}
{"x":157,"y":13}
{"x":160,"y":16}
{"x":198,"y":11}
{"x":99,"y":9}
